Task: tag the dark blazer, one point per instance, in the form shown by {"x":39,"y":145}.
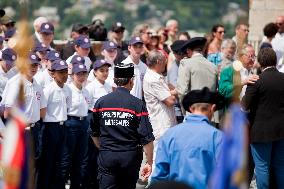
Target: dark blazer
{"x":265,"y":101}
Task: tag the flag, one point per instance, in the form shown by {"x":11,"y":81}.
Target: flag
{"x":230,"y":173}
{"x":15,"y":153}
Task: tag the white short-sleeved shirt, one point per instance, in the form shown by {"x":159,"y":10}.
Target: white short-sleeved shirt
{"x":58,"y":101}
{"x":97,"y":90}
{"x":5,"y":76}
{"x":34,"y":98}
{"x":156,"y":91}
{"x":43,"y":78}
{"x":88,"y":62}
{"x":80,"y":102}
{"x":109,"y":80}
{"x":139,"y":72}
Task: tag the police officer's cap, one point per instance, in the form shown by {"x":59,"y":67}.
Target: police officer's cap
{"x":9,"y":33}
{"x":47,"y":28}
{"x":117,"y":27}
{"x":83,"y":41}
{"x":195,"y":42}
{"x":9,"y":56}
{"x":178,"y":45}
{"x":58,"y":65}
{"x":108,"y":45}
{"x":99,"y":63}
{"x":124,"y":70}
{"x":6,"y":20}
{"x":78,"y":67}
{"x":76,"y":59}
{"x":52,"y":56}
{"x":40,"y":47}
{"x":202,"y":96}
{"x":34,"y":58}
{"x":135,"y":40}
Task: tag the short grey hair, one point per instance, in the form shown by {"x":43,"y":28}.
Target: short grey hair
{"x":154,"y":56}
{"x":244,"y":49}
{"x":40,"y":20}
{"x":171,"y":22}
{"x":139,"y":29}
{"x":228,"y":43}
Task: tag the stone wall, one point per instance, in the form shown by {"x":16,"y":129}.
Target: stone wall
{"x":262,"y":12}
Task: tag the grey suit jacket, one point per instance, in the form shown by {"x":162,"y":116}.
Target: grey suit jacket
{"x":195,"y":73}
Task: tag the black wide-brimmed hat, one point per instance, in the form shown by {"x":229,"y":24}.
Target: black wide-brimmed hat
{"x":202,"y":96}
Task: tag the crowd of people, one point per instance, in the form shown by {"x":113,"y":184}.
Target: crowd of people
{"x":161,"y":92}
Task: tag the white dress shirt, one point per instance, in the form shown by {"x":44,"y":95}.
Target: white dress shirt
{"x":34,"y":98}
{"x":43,"y":78}
{"x":58,"y":101}
{"x":97,"y":90}
{"x":139,"y":72}
{"x":278,"y":45}
{"x":80,"y":103}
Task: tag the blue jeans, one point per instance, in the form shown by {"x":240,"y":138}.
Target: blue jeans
{"x":268,"y":158}
{"x":74,"y":156}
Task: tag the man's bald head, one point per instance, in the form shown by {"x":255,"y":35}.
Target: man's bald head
{"x":280,"y":23}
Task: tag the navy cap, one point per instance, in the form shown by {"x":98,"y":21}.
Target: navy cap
{"x":108,"y":45}
{"x":34,"y":59}
{"x":76,"y":68}
{"x":202,"y":96}
{"x":178,"y":45}
{"x":135,"y":40}
{"x":40,"y":47}
{"x":83,"y":41}
{"x":58,"y":65}
{"x":100,"y":63}
{"x":124,"y":70}
{"x":76,"y":59}
{"x":47,"y":27}
{"x":195,"y":42}
{"x":52,"y":55}
{"x":9,"y":33}
{"x":117,"y":27}
{"x":9,"y":55}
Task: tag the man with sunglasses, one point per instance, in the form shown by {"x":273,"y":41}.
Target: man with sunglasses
{"x":278,"y":41}
{"x":69,"y":49}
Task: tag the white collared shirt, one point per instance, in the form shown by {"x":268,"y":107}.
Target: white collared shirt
{"x":5,"y":76}
{"x":278,"y":45}
{"x":80,"y":102}
{"x":43,"y":78}
{"x":34,"y":98}
{"x":58,"y":101}
{"x":139,"y":72}
{"x":244,"y":75}
{"x":156,"y":91}
{"x":97,"y":90}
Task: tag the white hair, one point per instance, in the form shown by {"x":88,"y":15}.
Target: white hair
{"x":171,"y":22}
{"x":38,"y":21}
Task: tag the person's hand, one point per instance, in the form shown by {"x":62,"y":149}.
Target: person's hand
{"x":251,"y":79}
{"x":146,"y":172}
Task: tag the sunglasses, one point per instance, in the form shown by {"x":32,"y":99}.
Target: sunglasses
{"x":220,"y":32}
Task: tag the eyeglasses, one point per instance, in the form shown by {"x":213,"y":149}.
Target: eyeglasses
{"x":220,"y":32}
{"x":245,"y":30}
{"x":251,"y":57}
{"x":10,"y":25}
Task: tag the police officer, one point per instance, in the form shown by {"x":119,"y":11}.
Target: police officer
{"x":121,"y":128}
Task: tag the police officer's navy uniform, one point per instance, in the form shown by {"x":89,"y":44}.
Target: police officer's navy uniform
{"x":58,"y":101}
{"x":76,"y":143}
{"x":121,"y":121}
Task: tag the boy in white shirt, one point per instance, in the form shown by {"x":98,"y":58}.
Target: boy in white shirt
{"x":58,"y":97}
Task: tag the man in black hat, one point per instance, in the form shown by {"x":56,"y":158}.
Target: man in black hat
{"x":69,"y":49}
{"x":196,"y":142}
{"x":196,"y":72}
{"x":121,"y":130}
